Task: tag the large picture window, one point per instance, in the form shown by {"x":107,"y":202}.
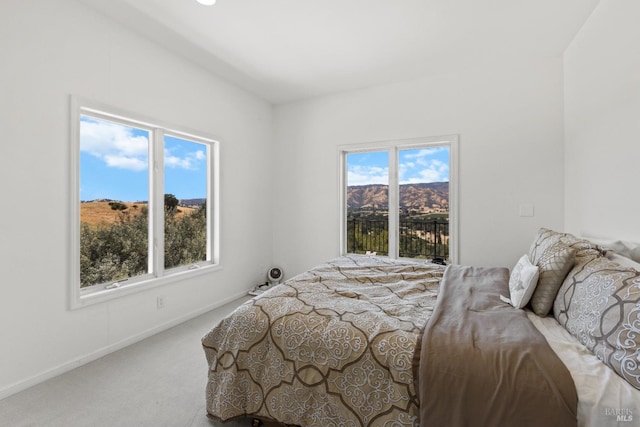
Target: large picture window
{"x":144,"y":203}
{"x":399,"y":198}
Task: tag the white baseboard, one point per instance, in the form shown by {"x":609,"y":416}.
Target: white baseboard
{"x":83,"y":360}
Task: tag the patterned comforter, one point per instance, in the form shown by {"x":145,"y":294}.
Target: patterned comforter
{"x":332,"y":346}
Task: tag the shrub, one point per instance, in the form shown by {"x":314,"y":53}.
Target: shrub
{"x":112,"y":252}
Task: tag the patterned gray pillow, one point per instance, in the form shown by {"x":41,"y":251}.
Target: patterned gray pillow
{"x":599,"y":304}
{"x":546,"y":238}
{"x":554,"y":264}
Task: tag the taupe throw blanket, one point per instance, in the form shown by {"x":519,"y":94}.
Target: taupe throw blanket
{"x":482,"y":362}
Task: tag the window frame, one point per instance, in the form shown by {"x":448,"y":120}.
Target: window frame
{"x":157,"y":274}
{"x":393,"y":147}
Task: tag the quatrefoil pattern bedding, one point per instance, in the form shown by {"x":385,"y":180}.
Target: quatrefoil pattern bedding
{"x":332,"y":346}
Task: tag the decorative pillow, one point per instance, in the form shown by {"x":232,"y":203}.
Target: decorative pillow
{"x":546,"y":238}
{"x":622,"y":260}
{"x":522,"y":282}
{"x":599,"y":304}
{"x":625,"y":248}
{"x":554,"y":263}
{"x":635,"y":254}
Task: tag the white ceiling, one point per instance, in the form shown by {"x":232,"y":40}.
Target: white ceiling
{"x":286,"y":50}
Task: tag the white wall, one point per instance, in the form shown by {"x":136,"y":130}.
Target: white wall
{"x":602,"y":121}
{"x":509,"y":118}
{"x":50,"y":50}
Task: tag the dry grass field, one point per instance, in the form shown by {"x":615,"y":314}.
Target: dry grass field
{"x":100,"y":212}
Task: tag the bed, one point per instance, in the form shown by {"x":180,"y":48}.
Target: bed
{"x":363,"y":341}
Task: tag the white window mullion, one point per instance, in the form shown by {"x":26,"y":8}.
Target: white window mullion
{"x":156,"y":218}
{"x":342,"y":208}
{"x":454,"y":202}
{"x":75,"y":202}
{"x":394,"y":199}
{"x":213,"y":215}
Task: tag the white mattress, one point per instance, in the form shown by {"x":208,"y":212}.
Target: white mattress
{"x":604,"y":398}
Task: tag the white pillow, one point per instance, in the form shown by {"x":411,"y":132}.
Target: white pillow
{"x":621,"y":247}
{"x":522,"y":282}
{"x":622,"y":260}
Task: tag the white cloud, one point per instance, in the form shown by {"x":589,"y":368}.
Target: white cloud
{"x":176,"y":162}
{"x":422,"y":169}
{"x":122,"y":162}
{"x":115,"y":144}
{"x":424,"y":166}
{"x":428,"y":171}
{"x":189,"y":161}
{"x":119,"y":147}
{"x":363,"y":175}
{"x":423,"y":153}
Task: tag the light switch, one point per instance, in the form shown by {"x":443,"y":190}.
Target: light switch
{"x":526,"y":210}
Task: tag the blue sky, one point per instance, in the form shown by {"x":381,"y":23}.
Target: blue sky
{"x":420,"y":165}
{"x":114,"y":163}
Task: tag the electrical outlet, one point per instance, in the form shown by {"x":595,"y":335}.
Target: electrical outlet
{"x":160,"y":302}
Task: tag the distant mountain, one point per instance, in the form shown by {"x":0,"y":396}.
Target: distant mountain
{"x":434,"y":195}
{"x":182,"y":202}
{"x":192,"y":202}
{"x":429,"y":197}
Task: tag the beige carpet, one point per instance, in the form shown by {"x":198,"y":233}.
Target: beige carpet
{"x":157,"y":382}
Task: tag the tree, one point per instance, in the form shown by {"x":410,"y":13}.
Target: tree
{"x":118,"y":206}
{"x":170,"y":203}
{"x":116,"y":251}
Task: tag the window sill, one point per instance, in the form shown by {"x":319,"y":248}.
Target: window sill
{"x":85,"y":298}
